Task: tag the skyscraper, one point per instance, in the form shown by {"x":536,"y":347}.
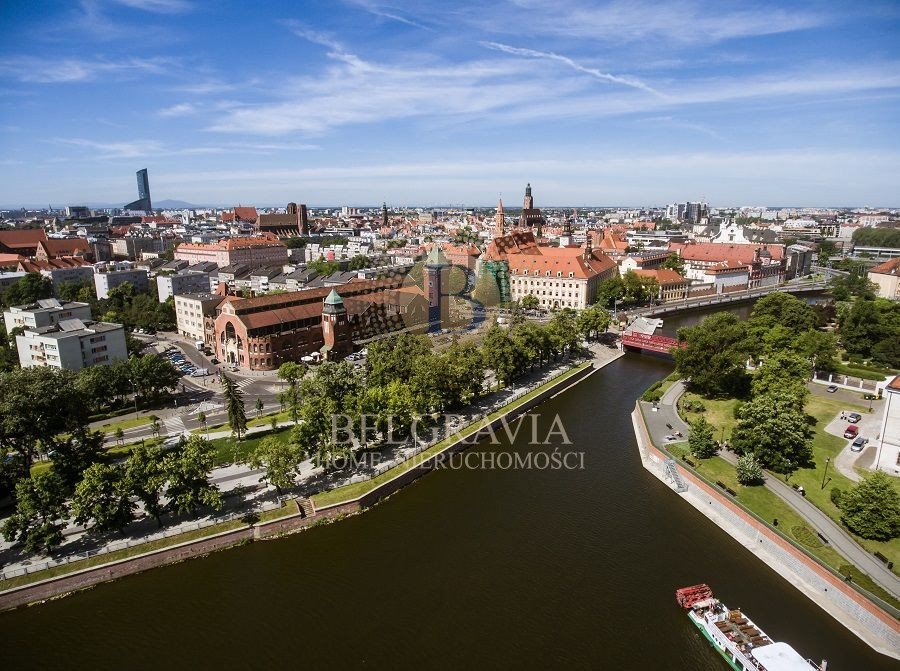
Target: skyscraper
{"x":143,"y":202}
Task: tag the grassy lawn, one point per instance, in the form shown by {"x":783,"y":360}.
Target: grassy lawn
{"x":110,"y":427}
{"x":229,"y":450}
{"x":289,"y":508}
{"x":719,"y":412}
{"x":122,"y":554}
{"x":266,"y":420}
{"x":769,"y":507}
{"x":357,"y":489}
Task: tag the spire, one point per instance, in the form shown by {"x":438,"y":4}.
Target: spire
{"x":588,"y":244}
{"x":499,"y":221}
{"x":528,"y":189}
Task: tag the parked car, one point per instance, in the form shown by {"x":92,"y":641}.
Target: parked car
{"x":832,"y":388}
{"x":851,"y":431}
{"x":854,"y":417}
{"x":859,"y":444}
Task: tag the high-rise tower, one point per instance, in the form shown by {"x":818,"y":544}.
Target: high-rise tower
{"x":143,"y":202}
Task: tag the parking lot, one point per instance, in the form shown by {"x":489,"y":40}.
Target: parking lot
{"x":177,"y":359}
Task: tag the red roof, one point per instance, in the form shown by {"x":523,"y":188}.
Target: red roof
{"x":711,"y":251}
{"x":891,"y":267}
{"x":22,"y":238}
{"x":64,"y":247}
{"x":560,"y":259}
{"x":664,"y":276}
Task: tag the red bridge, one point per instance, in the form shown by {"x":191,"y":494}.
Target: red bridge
{"x":654,"y":343}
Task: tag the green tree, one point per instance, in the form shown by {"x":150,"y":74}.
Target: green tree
{"x":32,"y":287}
{"x":818,"y":348}
{"x":155,"y":426}
{"x":780,"y":308}
{"x":120,"y":436}
{"x":563,"y":330}
{"x":103,"y":496}
{"x":782,"y":371}
{"x":872,"y":508}
{"x":638,"y":289}
{"x":827,"y":249}
{"x":591,"y":321}
{"x":234,"y":406}
{"x":187,"y":470}
{"x":609,"y":291}
{"x":774,"y":428}
{"x":359,"y":262}
{"x":259,"y":407}
{"x":73,"y":454}
{"x":395,"y":358}
{"x":748,"y":469}
{"x":500,"y":355}
{"x":39,"y":517}
{"x":145,"y":478}
{"x":292,"y":372}
{"x":674,"y":262}
{"x":151,"y":376}
{"x":530,"y":302}
{"x":714,"y":356}
{"x":280,"y":459}
{"x":39,"y":407}
{"x":701,"y":441}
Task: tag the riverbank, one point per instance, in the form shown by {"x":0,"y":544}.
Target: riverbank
{"x":351,"y":501}
{"x":875,"y":625}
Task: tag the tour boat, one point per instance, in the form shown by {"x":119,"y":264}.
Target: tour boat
{"x":740,"y":642}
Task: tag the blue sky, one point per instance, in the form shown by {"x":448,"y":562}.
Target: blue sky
{"x":439,"y":102}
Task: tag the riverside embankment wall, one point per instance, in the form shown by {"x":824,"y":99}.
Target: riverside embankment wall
{"x":872,"y":624}
{"x":88,"y":577}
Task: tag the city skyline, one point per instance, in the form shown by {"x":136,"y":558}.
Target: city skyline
{"x":414,"y":104}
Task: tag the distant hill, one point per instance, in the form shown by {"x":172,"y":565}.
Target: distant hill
{"x":174,"y":205}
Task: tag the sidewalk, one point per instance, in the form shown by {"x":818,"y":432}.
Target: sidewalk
{"x":839,"y":539}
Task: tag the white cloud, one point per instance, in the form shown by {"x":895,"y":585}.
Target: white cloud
{"x":593,"y":72}
{"x":129,"y":149}
{"x":56,"y":71}
{"x":683,"y":22}
{"x":181,"y":109}
{"x":158,"y":6}
{"x":387,"y":12}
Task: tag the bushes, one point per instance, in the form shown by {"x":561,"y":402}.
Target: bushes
{"x":693,"y":406}
{"x":835,"y":495}
{"x":749,"y":472}
{"x":653,"y":393}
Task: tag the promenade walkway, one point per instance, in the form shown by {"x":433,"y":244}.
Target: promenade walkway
{"x":667,"y":414}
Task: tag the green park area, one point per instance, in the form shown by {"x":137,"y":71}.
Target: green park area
{"x":769,"y":415}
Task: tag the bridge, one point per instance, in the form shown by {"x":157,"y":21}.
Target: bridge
{"x":731,"y":297}
{"x":654,"y":343}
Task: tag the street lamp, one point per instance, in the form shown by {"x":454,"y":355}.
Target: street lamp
{"x":827,"y":461}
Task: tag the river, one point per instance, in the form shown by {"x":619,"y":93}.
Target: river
{"x":464,"y":569}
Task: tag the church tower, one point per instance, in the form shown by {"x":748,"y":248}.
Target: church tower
{"x":436,"y":282}
{"x":384,"y":215}
{"x":335,"y":328}
{"x":528,"y":203}
{"x":588,"y":245}
{"x":499,"y":221}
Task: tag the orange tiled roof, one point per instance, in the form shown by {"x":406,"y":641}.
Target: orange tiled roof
{"x":711,"y":251}
{"x":891,"y":267}
{"x":22,"y":238}
{"x":562,"y":260}
{"x":665,"y":276}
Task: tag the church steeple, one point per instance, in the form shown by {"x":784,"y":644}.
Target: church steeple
{"x":588,"y":245}
{"x":499,"y":221}
{"x":384,"y":215}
